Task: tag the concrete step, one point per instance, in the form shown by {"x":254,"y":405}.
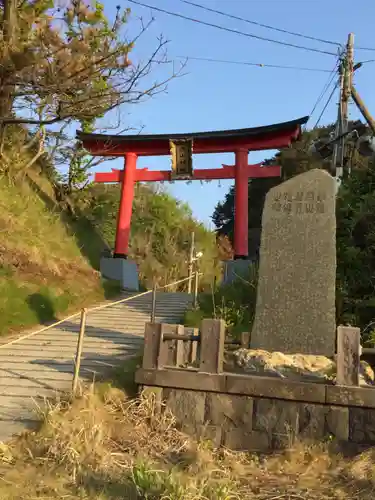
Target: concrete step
{"x":72,"y":340}
{"x":42,"y":366}
{"x":88,"y":364}
{"x":67,"y":350}
{"x":141,"y":315}
{"x":30,"y":391}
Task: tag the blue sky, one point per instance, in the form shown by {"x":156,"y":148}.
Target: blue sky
{"x":222,"y":96}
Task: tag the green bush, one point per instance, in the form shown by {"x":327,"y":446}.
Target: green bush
{"x":234,"y":303}
{"x":355,"y":289}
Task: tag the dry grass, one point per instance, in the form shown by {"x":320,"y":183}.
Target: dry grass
{"x":105,"y":446}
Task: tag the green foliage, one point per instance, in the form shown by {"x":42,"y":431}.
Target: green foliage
{"x":78,"y":58}
{"x":355,"y":290}
{"x":79,"y":161}
{"x":293,"y":161}
{"x":234,"y":303}
{"x":160,"y":237}
{"x":356,"y":250}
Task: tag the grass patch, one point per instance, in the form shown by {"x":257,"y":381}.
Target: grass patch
{"x":45,"y":270}
{"x":107,"y":446}
{"x":234,"y":303}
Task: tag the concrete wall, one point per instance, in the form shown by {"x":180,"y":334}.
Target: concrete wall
{"x":252,"y":413}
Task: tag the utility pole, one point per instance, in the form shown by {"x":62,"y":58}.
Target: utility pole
{"x":337,"y":157}
{"x":191,"y":262}
{"x":346,"y":83}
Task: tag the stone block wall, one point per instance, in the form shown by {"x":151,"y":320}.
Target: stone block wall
{"x":263,"y":414}
{"x":251,"y":412}
{"x":255,"y":424}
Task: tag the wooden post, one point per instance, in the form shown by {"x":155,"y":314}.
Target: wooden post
{"x":193,"y":348}
{"x":196,"y":285}
{"x":245,"y":340}
{"x":191,"y":262}
{"x":168,"y":348}
{"x":212,"y":346}
{"x":348,"y":355}
{"x":151,"y":346}
{"x":180,"y":358}
{"x":77,"y":363}
{"x":153,"y":307}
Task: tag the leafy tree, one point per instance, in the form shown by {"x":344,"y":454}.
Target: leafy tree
{"x":68,"y":64}
{"x":293,"y":161}
{"x":160,"y":234}
{"x":59,"y":66}
{"x":355,"y":225}
{"x":356,"y":251}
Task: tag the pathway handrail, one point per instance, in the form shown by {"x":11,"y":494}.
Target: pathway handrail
{"x":97,"y":308}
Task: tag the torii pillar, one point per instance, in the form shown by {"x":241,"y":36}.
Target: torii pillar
{"x":237,"y":141}
{"x":241,"y":205}
{"x":126,"y":207}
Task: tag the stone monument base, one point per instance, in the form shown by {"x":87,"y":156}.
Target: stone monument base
{"x":122,"y":270}
{"x":235,"y":268}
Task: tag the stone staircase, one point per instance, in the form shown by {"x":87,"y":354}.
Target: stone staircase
{"x":42,"y":365}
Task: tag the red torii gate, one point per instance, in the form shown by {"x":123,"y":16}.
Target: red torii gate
{"x":239,"y":142}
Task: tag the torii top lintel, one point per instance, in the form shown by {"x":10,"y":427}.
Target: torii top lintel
{"x":275,"y":136}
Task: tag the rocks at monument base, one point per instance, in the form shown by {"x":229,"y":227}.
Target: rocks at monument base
{"x":295,"y":310}
{"x":302,"y":367}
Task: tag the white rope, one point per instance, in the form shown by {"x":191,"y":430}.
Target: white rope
{"x":76,"y":315}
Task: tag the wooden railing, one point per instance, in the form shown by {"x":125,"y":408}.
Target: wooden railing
{"x":169,"y":346}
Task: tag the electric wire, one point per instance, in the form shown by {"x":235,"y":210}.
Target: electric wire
{"x":371,"y":49}
{"x":325,"y":89}
{"x":326,"y":105}
{"x":260,"y":65}
{"x":267,"y":26}
{"x":238,"y":18}
{"x":231,"y":30}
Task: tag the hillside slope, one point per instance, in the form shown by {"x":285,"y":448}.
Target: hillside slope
{"x":49,"y":259}
{"x":43,"y":270}
{"x":160,"y":234}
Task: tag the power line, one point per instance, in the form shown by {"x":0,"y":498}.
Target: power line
{"x":372,"y":49}
{"x":230,"y":30}
{"x":326,"y":105}
{"x":325,"y":88}
{"x":280,"y":30}
{"x":260,"y":65}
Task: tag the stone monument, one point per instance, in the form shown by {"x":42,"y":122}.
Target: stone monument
{"x":295,"y":310}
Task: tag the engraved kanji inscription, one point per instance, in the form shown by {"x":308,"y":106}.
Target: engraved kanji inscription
{"x":288,"y":197}
{"x":309,"y":208}
{"x":287,"y":208}
{"x":310,"y":196}
{"x":299,"y":208}
{"x":299,"y":203}
{"x":320,"y":208}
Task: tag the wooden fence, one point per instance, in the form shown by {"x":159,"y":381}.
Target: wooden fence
{"x":169,"y":346}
